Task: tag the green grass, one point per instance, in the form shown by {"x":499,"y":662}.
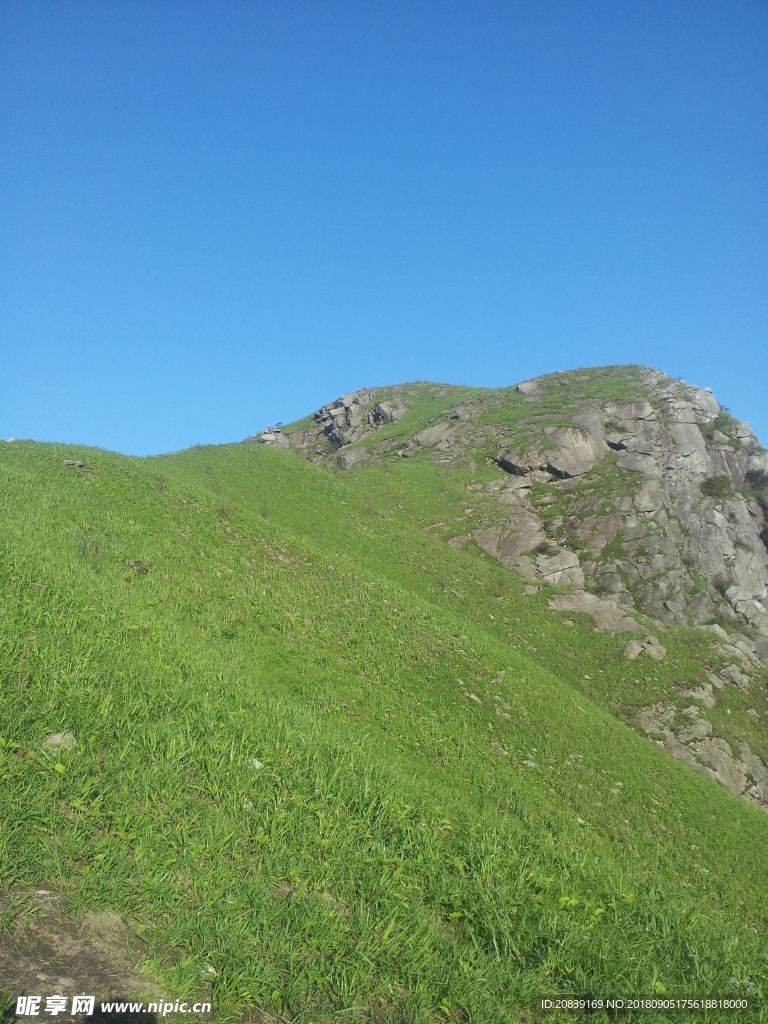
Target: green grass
{"x":394,"y":858}
{"x":717,"y":487}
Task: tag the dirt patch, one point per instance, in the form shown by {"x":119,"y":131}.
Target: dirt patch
{"x":45,"y":950}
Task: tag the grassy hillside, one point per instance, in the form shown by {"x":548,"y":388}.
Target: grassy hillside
{"x":335,"y":769}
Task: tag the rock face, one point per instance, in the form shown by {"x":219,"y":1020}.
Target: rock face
{"x":346,"y":421}
{"x":688,"y":738}
{"x":686,"y":541}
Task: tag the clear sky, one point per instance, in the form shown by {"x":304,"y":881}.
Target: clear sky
{"x":216,"y":215}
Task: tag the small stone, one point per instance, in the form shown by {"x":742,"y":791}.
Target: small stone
{"x":60,"y":739}
{"x":459,"y":541}
{"x":256,"y":764}
{"x":472,"y":696}
{"x":529,"y":764}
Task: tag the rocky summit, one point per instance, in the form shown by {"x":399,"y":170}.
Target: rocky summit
{"x":634,"y":489}
{"x":620,"y":492}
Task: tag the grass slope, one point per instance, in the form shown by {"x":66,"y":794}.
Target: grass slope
{"x":341,"y":765}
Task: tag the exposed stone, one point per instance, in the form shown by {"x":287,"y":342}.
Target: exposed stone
{"x":676,"y":554}
{"x":388,"y":412}
{"x":703,"y":693}
{"x":633,"y":650}
{"x":578,"y":450}
{"x":432,"y":435}
{"x":688,"y":739}
{"x":458,"y":541}
{"x":351,"y":457}
{"x":606,"y":614}
{"x":65,"y":740}
{"x":649,"y":646}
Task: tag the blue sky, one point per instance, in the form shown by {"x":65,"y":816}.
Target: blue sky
{"x":217,"y":215}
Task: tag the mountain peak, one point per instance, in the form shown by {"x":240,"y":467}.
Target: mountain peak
{"x":621,"y":482}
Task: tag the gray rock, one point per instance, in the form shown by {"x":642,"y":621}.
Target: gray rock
{"x":637,"y":462}
{"x":718,"y":630}
{"x":458,"y":541}
{"x":606,"y":615}
{"x":528,"y":387}
{"x":633,"y":650}
{"x":58,"y":740}
{"x":703,"y":693}
{"x":649,"y":646}
{"x":520,"y":465}
{"x":651,"y":498}
{"x":705,"y":404}
{"x":351,"y":457}
{"x":560,"y":568}
{"x":698,"y":731}
{"x":388,"y":412}
{"x":578,"y":450}
{"x":631,"y":411}
{"x":432,"y":435}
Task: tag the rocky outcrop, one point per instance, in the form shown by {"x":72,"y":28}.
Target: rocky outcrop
{"x":686,"y":545}
{"x":607,"y":615}
{"x":345,"y":422}
{"x":569,"y":452}
{"x":687,"y":737}
{"x":656,"y":497}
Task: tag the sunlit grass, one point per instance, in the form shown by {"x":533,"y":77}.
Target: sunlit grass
{"x":343,"y":765}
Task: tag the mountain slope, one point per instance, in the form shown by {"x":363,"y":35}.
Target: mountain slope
{"x":340,"y":763}
{"x":687,"y":482}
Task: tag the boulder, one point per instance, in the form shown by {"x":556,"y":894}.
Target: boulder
{"x":388,"y":412}
{"x":649,"y":646}
{"x":431,"y":435}
{"x":351,"y":457}
{"x":528,"y":387}
{"x":633,"y":650}
{"x":512,"y":461}
{"x":705,"y":404}
{"x":578,"y":450}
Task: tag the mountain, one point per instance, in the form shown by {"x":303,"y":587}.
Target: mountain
{"x":355,"y":718}
{"x":622,"y":482}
